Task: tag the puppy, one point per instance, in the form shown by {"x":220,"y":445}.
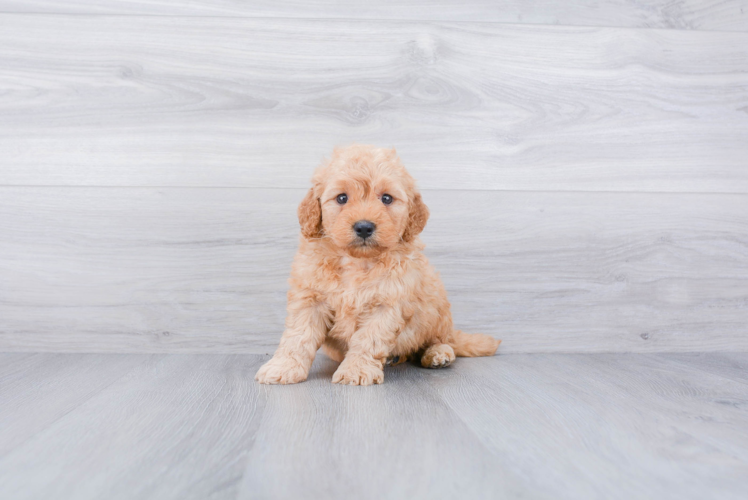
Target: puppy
{"x":361,"y":287}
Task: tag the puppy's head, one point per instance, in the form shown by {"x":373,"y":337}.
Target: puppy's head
{"x":364,"y":201}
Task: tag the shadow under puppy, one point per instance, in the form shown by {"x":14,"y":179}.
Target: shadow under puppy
{"x":361,"y":287}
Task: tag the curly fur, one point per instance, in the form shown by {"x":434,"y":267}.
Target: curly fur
{"x":364,"y":301}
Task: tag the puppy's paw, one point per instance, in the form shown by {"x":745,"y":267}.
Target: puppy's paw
{"x":358,"y":371}
{"x":281,"y":371}
{"x":438,"y":356}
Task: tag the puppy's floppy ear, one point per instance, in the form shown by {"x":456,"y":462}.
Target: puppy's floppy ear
{"x":418,"y":214}
{"x":310,"y":216}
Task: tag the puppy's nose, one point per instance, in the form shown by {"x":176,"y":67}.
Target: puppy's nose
{"x":364,"y":228}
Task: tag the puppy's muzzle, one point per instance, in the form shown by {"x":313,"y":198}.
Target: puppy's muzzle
{"x":364,"y":229}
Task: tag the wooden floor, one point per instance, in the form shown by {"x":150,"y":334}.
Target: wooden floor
{"x":181,"y":426}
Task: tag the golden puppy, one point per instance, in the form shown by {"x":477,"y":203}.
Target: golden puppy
{"x":361,"y":287}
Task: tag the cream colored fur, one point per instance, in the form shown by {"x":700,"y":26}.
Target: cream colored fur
{"x":364,"y":301}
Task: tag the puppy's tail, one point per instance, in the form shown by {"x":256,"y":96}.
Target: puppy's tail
{"x":472,"y":345}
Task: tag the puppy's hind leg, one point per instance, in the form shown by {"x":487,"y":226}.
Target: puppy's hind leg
{"x":438,"y":356}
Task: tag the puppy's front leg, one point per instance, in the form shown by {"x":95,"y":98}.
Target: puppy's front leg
{"x":306,"y":327}
{"x":369,"y":347}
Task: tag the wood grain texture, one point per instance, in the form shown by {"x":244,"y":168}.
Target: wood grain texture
{"x":174,"y":427}
{"x":161,"y":270}
{"x":727,"y":15}
{"x":37,"y":390}
{"x":542,"y":426}
{"x":170,"y":101}
{"x":398,"y":442}
{"x":607,"y":419}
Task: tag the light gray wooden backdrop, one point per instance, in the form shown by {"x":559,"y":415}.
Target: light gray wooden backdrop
{"x":586,"y":165}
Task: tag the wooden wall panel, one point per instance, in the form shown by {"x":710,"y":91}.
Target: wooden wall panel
{"x":156,"y":269}
{"x":205,"y":102}
{"x":725,"y":15}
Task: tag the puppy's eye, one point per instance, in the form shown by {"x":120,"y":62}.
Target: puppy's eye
{"x":342,"y":199}
{"x":386,"y":199}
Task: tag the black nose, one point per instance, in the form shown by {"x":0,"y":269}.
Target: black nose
{"x":364,"y":228}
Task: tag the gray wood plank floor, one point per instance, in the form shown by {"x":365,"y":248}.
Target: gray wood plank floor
{"x":727,"y":15}
{"x":172,"y":101}
{"x":659,"y":426}
{"x":155,"y":269}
